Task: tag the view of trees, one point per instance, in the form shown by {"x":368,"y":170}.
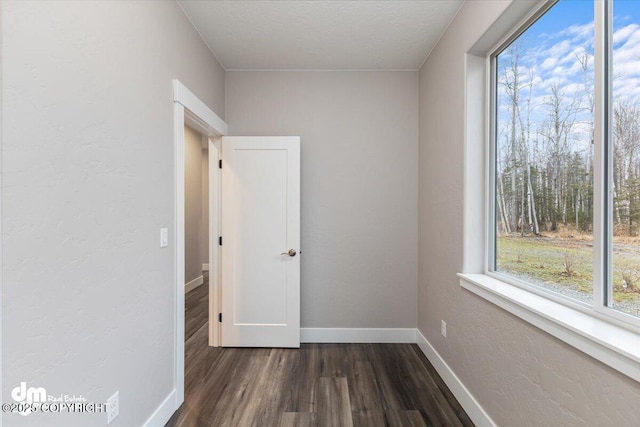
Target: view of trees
{"x":545,"y":152}
{"x":544,"y":157}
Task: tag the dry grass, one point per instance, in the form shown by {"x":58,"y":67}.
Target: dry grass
{"x":568,"y":262}
{"x":569,"y":265}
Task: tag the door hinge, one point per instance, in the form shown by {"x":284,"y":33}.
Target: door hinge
{"x":220,"y":163}
{"x":220,"y":317}
{"x":220,"y":241}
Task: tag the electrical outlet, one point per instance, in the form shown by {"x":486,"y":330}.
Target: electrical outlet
{"x":113,"y":407}
{"x":443,"y":328}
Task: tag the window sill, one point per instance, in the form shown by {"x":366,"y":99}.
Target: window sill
{"x":613,"y":345}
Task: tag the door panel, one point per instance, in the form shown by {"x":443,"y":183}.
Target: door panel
{"x":260,"y":236}
{"x":260,"y":221}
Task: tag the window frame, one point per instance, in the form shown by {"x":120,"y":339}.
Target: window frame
{"x":602,"y":178}
{"x":612,"y":342}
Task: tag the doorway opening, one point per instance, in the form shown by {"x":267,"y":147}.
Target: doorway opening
{"x":191,"y":112}
{"x":196,"y":212}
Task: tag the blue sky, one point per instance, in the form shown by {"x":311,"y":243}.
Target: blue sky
{"x":549,"y":52}
{"x":579,"y":12}
{"x":562,"y":15}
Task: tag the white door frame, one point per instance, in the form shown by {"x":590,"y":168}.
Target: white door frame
{"x":215,"y":224}
{"x":189,"y":110}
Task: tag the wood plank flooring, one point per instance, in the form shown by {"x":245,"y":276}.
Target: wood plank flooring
{"x":196,"y":303}
{"x":331,"y":385}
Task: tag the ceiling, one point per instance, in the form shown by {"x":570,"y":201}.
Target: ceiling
{"x":321,"y":35}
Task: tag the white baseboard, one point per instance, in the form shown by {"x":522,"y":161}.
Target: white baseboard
{"x":193,"y":284}
{"x":205,"y":267}
{"x":469,"y":403}
{"x":163,"y":413}
{"x":358,"y":335}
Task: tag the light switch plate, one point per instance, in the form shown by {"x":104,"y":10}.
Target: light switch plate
{"x":164,"y":237}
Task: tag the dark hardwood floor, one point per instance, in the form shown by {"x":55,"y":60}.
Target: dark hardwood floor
{"x":196,"y":303}
{"x":331,"y":385}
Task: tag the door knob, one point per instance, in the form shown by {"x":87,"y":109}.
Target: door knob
{"x":292,"y":252}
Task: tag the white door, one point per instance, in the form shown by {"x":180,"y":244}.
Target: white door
{"x":260,"y":242}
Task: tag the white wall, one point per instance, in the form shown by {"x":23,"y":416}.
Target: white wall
{"x":359,"y":186}
{"x":87,"y":183}
{"x":519,"y":374}
{"x":194,"y":197}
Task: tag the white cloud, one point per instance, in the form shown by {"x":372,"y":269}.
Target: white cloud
{"x":581,"y":32}
{"x":626,"y":62}
{"x":623,"y":33}
{"x":559,"y":49}
{"x":548,"y":63}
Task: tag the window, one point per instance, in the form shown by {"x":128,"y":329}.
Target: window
{"x":565,"y":153}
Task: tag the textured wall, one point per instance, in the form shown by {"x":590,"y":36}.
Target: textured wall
{"x":194,"y":237}
{"x":359,"y":186}
{"x":519,"y":374}
{"x":88,"y":179}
